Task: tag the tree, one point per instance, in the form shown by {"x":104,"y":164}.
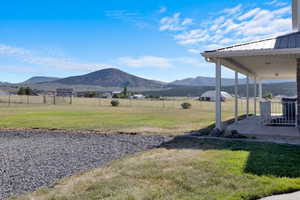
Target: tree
{"x":25,"y":91}
{"x":28,"y":91}
{"x":21,"y":91}
{"x":125,"y":92}
{"x":268,"y":96}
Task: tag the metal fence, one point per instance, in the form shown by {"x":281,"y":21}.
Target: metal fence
{"x":278,"y":113}
{"x":57,"y":100}
{"x":23,"y":99}
{"x":165,"y":103}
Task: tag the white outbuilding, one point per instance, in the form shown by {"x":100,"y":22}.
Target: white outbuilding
{"x":138,"y":96}
{"x":211,"y":96}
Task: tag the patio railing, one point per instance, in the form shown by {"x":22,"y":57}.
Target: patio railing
{"x":278,"y":113}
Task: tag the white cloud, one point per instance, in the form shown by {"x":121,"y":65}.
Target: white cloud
{"x":187,"y":21}
{"x":174,"y":23}
{"x":249,"y":14}
{"x":232,"y":11}
{"x":234,"y":25}
{"x":276,"y":3}
{"x":158,"y":62}
{"x":17,"y":68}
{"x":145,"y":61}
{"x":194,"y":51}
{"x":14,"y":51}
{"x":126,"y":16}
{"x":192,"y":37}
{"x":27,"y":56}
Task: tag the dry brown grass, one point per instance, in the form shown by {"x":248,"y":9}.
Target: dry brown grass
{"x":141,"y":116}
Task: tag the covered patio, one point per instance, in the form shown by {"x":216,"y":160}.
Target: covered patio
{"x":252,"y":127}
{"x":275,"y":58}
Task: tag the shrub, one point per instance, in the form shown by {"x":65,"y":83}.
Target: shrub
{"x":115,"y":103}
{"x":268,"y":96}
{"x":186,"y":105}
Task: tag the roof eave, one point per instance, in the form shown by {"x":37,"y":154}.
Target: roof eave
{"x":255,"y":52}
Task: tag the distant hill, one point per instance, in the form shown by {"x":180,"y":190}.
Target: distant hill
{"x":282,"y":88}
{"x":40,"y":79}
{"x":210,"y":81}
{"x":110,"y":78}
{"x":204,"y":81}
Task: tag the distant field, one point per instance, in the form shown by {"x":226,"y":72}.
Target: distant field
{"x":132,"y":116}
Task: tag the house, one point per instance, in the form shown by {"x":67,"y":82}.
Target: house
{"x":211,"y":96}
{"x":275,"y":58}
{"x":64,"y":92}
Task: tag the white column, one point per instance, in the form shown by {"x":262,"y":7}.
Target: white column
{"x":247,"y":96}
{"x":260,"y":90}
{"x":255,"y":95}
{"x":236,"y":109}
{"x":218,"y":95}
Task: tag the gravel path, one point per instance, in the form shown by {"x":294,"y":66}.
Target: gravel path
{"x":32,"y":159}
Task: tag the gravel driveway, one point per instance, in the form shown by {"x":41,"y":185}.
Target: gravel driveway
{"x":32,"y":159}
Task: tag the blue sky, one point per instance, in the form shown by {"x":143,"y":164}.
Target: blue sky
{"x":155,"y":39}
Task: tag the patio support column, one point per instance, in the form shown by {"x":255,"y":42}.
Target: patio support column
{"x":255,"y":95}
{"x":218,"y":95}
{"x":247,"y":96}
{"x":298,"y":93}
{"x":260,"y":90}
{"x":236,"y":108}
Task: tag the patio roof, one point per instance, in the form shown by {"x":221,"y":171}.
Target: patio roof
{"x":273,"y":58}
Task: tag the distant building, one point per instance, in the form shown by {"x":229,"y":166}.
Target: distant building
{"x":64,"y":92}
{"x":116,"y":92}
{"x":107,"y":95}
{"x":138,"y":96}
{"x":211,"y":96}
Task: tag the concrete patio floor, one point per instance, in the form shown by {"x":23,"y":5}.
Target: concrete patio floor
{"x":292,"y":196}
{"x":253,"y":127}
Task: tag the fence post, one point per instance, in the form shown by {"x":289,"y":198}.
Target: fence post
{"x":27,"y":99}
{"x":9,"y":99}
{"x":71,"y":100}
{"x":44,"y":99}
{"x":54,"y":99}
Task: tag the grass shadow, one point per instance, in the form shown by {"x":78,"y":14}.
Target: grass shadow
{"x":265,"y":159}
{"x":207,"y":130}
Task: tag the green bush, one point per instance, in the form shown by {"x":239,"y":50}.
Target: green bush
{"x":186,"y":105}
{"x":268,"y":96}
{"x":115,"y":103}
{"x":25,"y":91}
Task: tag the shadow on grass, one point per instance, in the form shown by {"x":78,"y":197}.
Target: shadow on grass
{"x":264,"y":158}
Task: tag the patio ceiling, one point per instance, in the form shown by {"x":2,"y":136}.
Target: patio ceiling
{"x":273,"y":58}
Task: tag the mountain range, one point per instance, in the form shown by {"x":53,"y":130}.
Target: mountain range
{"x":114,"y":79}
{"x":210,"y":81}
{"x":105,"y":78}
{"x":39,"y":79}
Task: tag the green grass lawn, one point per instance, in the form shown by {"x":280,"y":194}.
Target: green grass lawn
{"x":144,"y":120}
{"x":187,"y":169}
